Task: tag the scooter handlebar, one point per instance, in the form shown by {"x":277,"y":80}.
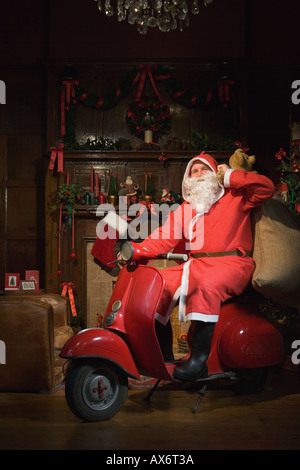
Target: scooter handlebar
{"x":177,"y":256}
{"x":133,"y":252}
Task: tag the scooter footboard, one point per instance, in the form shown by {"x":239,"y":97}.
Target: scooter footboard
{"x":96,"y":342}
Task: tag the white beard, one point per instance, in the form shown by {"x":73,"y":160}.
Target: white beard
{"x":203,"y":192}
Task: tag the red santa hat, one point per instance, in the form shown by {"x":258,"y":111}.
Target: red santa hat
{"x":204,"y":158}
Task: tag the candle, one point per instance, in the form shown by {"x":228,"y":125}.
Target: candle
{"x":97,"y":185}
{"x":92,"y":179}
{"x":68,"y":178}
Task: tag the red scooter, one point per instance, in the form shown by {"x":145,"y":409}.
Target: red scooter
{"x":244,"y":345}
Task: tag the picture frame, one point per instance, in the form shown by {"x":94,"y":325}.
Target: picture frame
{"x":12,"y":281}
{"x":33,"y":276}
{"x":28,"y":286}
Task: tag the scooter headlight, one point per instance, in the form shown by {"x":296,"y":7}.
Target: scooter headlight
{"x":112,"y":315}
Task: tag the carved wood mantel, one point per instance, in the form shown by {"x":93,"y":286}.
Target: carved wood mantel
{"x":78,"y":165}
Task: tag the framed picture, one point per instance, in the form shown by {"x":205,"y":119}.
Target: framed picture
{"x":33,"y":276}
{"x":12,"y":281}
{"x":27,"y":285}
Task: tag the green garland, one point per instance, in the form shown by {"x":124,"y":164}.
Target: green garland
{"x":220,"y":94}
{"x":210,"y":97}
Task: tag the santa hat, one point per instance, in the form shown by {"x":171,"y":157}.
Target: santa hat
{"x":204,"y":158}
{"x":109,"y":229}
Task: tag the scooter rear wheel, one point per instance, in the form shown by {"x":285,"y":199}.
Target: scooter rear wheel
{"x":251,"y":380}
{"x":96,"y":391}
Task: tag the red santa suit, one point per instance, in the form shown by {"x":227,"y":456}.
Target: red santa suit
{"x":202,"y":284}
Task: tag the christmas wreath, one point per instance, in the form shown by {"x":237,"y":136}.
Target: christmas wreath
{"x":148,"y":114}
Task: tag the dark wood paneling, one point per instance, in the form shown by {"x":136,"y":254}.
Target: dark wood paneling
{"x":22,"y":174}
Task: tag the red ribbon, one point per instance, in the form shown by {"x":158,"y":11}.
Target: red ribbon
{"x":224,"y":95}
{"x":149,"y":205}
{"x":144,"y":71}
{"x":57,"y":152}
{"x":67,"y":287}
{"x":59,"y":233}
{"x":67,"y":92}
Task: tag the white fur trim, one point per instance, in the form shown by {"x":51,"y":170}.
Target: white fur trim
{"x":200,"y":317}
{"x":184,"y":289}
{"x":164,"y":319}
{"x":227,"y":178}
{"x":116,"y":222}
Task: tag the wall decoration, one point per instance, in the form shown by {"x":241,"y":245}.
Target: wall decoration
{"x":289,"y":186}
{"x":148,"y":114}
{"x":12,"y":281}
{"x":72,"y":93}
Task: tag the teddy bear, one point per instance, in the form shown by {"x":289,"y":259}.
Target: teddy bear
{"x":239,"y":160}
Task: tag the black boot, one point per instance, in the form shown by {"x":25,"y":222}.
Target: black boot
{"x":165,"y":338}
{"x":195,"y":366}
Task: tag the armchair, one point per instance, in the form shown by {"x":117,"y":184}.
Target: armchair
{"x":33,"y":327}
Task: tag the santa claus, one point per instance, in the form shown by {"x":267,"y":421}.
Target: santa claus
{"x":213,"y":225}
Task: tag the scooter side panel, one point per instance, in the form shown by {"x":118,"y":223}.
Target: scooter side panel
{"x":96,"y":342}
{"x":247,"y":340}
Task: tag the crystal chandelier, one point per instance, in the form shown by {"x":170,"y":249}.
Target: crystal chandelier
{"x":167,"y":15}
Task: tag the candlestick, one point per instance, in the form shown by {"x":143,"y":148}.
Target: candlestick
{"x":92,"y":179}
{"x":97,"y":185}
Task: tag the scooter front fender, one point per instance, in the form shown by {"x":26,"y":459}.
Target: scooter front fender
{"x":100,"y":343}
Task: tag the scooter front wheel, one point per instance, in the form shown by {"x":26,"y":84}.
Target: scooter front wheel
{"x":96,"y":391}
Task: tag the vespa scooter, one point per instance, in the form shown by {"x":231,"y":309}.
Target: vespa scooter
{"x":244,"y":344}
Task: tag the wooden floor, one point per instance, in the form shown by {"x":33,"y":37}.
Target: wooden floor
{"x":268,"y":420}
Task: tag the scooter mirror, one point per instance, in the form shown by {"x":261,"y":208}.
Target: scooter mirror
{"x":126,"y":251}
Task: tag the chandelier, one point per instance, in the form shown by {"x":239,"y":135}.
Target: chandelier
{"x":167,"y":15}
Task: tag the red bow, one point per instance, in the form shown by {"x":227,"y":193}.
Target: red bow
{"x":67,"y":92}
{"x":143,"y":72}
{"x":67,"y":287}
{"x":149,"y":205}
{"x":57,"y":152}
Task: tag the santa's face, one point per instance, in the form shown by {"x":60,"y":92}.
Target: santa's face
{"x":199,"y":169}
